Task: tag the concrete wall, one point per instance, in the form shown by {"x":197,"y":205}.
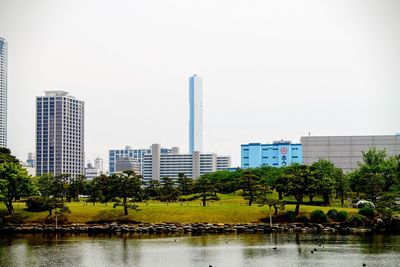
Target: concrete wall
{"x":346,"y":151}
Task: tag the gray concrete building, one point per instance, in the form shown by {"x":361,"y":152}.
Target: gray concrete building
{"x":346,"y":151}
{"x":128,"y":164}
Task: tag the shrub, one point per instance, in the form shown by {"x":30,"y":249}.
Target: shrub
{"x":357,"y":219}
{"x":342,"y":216}
{"x":332,"y":214}
{"x":302,"y":218}
{"x":290,"y":216}
{"x":318,"y":216}
{"x":367,"y":212}
{"x":36,"y":204}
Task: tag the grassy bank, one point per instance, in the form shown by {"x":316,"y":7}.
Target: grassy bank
{"x":230,"y":209}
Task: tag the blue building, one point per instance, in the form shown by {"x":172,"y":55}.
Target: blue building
{"x":277,"y":154}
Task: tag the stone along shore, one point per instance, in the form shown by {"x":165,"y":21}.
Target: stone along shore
{"x":392,"y":226}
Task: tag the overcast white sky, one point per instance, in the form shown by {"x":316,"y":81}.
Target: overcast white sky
{"x":271,"y":69}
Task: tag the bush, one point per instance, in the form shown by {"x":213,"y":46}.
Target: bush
{"x":290,"y":216}
{"x":332,"y":214}
{"x":36,"y":204}
{"x":357,"y":220}
{"x":342,"y":216}
{"x":318,"y":216}
{"x":302,"y":219}
{"x":367,"y":212}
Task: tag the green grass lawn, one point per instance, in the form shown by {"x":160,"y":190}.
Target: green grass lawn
{"x":231,"y":208}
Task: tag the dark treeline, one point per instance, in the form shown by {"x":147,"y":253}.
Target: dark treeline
{"x":377,"y":179}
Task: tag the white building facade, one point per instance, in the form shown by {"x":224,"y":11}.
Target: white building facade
{"x":196,"y":114}
{"x":59,"y":134}
{"x":136,"y":153}
{"x":157,"y":165}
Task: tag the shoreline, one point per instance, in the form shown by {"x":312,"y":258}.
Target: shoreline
{"x":381,"y":227}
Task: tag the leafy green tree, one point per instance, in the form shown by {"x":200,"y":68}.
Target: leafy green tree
{"x":5,"y":156}
{"x":126,"y":185}
{"x":205,"y":188}
{"x":153,"y":189}
{"x":184,"y":184}
{"x":76,"y":187}
{"x":341,"y":186}
{"x":45,"y":184}
{"x":324,"y":175}
{"x":251,"y":187}
{"x":372,"y":172}
{"x":168,"y":190}
{"x":100,"y":189}
{"x":297,"y":177}
{"x":14,"y":183}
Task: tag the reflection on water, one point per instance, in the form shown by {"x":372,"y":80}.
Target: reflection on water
{"x":186,"y":250}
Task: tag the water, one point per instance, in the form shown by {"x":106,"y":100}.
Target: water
{"x":216,"y":250}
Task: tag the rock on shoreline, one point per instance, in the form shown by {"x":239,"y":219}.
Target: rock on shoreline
{"x":392,"y":226}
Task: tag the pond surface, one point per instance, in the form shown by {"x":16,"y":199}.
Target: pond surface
{"x":216,"y":250}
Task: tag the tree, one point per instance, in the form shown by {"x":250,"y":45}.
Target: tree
{"x":152,"y":189}
{"x":297,"y":177}
{"x":126,"y":185}
{"x":323,"y":179}
{"x":14,"y":183}
{"x":206,"y":189}
{"x":372,"y":172}
{"x":100,"y":189}
{"x":76,"y":187}
{"x":168,"y":191}
{"x":184,"y":184}
{"x":341,"y":186}
{"x":251,"y":186}
{"x":5,"y":156}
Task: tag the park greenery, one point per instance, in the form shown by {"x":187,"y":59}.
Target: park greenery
{"x":306,"y":192}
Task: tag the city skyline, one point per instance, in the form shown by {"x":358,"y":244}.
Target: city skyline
{"x":271,"y":71}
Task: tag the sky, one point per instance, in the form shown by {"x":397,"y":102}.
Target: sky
{"x":271,"y":70}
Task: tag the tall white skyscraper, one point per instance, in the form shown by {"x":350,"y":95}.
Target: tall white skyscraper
{"x":196,"y":114}
{"x":59,"y":134}
{"x":3,"y":92}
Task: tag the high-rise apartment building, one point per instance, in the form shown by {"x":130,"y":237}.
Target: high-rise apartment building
{"x":59,"y":134}
{"x":196,"y":114}
{"x":3,"y":92}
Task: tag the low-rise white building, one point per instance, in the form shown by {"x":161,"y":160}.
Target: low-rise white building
{"x":157,"y":165}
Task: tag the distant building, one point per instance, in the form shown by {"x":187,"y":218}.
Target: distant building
{"x":157,"y":165}
{"x":346,"y":151}
{"x":59,"y":134}
{"x":91,"y":172}
{"x":98,"y":164}
{"x":3,"y":92}
{"x":278,"y":154}
{"x":196,"y":114}
{"x":137,"y":153}
{"x":31,"y":162}
{"x":127,"y":164}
